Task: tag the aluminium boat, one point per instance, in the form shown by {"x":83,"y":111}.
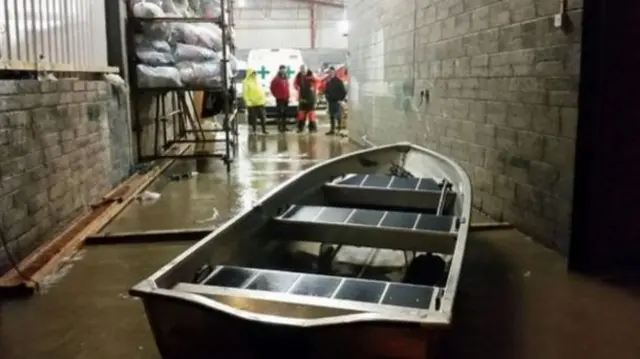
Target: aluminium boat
{"x":356,"y":257}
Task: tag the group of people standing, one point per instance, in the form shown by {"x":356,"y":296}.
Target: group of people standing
{"x":306,"y":84}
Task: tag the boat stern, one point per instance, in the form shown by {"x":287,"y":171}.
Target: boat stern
{"x":186,"y":326}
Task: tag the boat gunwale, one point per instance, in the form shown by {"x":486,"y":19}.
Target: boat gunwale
{"x":428,"y":319}
{"x":447,"y":294}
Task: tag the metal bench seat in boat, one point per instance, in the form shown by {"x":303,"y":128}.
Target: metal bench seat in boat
{"x":313,"y":289}
{"x":366,"y":227}
{"x":389,"y":191}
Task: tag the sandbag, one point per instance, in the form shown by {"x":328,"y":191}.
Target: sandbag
{"x":155,"y":2}
{"x":198,"y":35}
{"x":147,"y":9}
{"x":162,"y":76}
{"x":210,"y":8}
{"x":179,"y":8}
{"x":153,"y":52}
{"x":196,"y":6}
{"x":210,"y":36}
{"x":152,"y":30}
{"x":214,"y":29}
{"x":199,"y":74}
{"x":155,"y":58}
{"x":185,"y":33}
{"x":192,"y":53}
{"x":143,"y":43}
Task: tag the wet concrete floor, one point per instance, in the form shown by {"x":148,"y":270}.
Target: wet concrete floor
{"x":516,"y":299}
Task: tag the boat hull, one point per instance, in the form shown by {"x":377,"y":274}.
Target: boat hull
{"x":184,"y":329}
{"x":227,"y":297}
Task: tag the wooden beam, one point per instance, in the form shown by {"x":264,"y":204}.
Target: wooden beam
{"x":486,"y":226}
{"x":172,"y":235}
{"x":47,"y":258}
{"x":313,"y":24}
{"x":327,"y":3}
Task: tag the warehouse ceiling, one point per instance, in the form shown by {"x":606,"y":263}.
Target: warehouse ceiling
{"x":330,"y":3}
{"x":276,"y":4}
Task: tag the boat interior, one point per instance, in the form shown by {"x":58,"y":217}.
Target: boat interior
{"x":382,"y":240}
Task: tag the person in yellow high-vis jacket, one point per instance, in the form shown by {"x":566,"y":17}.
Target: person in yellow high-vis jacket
{"x":254,"y":99}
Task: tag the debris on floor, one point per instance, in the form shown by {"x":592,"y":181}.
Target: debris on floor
{"x":180,"y":176}
{"x":213,"y":217}
{"x":148,"y":196}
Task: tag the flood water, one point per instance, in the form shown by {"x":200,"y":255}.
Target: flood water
{"x":515,"y":298}
{"x":212,"y":195}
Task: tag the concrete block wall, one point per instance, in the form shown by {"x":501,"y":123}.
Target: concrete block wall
{"x":502,"y":86}
{"x":62,"y":147}
{"x":121,"y":139}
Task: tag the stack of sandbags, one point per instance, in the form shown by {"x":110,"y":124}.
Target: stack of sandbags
{"x":198,"y":66}
{"x":177,"y":54}
{"x":157,"y":67}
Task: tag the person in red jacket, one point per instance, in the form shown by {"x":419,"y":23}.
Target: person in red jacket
{"x":298,"y":79}
{"x":280,"y":90}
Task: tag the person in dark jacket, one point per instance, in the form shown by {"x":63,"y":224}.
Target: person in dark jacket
{"x":280,"y":90}
{"x":307,"y":102}
{"x":335,"y":92}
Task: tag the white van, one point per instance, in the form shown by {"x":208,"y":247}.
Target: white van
{"x":266,"y":63}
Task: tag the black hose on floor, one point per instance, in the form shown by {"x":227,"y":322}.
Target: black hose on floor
{"x":21,"y":290}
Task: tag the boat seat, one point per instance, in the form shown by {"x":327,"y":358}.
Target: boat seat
{"x":369,"y":217}
{"x":316,"y":285}
{"x":388,"y":182}
{"x":367,"y":227}
{"x":422,"y":194}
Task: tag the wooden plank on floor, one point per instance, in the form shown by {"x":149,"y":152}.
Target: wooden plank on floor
{"x":48,"y":257}
{"x":172,"y":235}
{"x":487,"y":226}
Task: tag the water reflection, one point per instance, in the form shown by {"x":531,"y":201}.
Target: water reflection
{"x":283,"y":144}
{"x":255,"y":141}
{"x":335,"y":148}
{"x":263,"y":163}
{"x":206,"y":165}
{"x":307,"y":146}
{"x":284,"y":168}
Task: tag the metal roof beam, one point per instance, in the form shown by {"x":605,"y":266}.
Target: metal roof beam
{"x":327,"y":3}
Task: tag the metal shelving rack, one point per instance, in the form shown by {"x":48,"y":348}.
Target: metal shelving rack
{"x":186,"y":124}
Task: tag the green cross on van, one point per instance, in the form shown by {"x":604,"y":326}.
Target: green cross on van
{"x":263,"y":72}
{"x":289,"y":71}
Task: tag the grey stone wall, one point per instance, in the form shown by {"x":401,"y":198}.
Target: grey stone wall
{"x":502,"y":93}
{"x":62,"y":147}
{"x":121,"y":139}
